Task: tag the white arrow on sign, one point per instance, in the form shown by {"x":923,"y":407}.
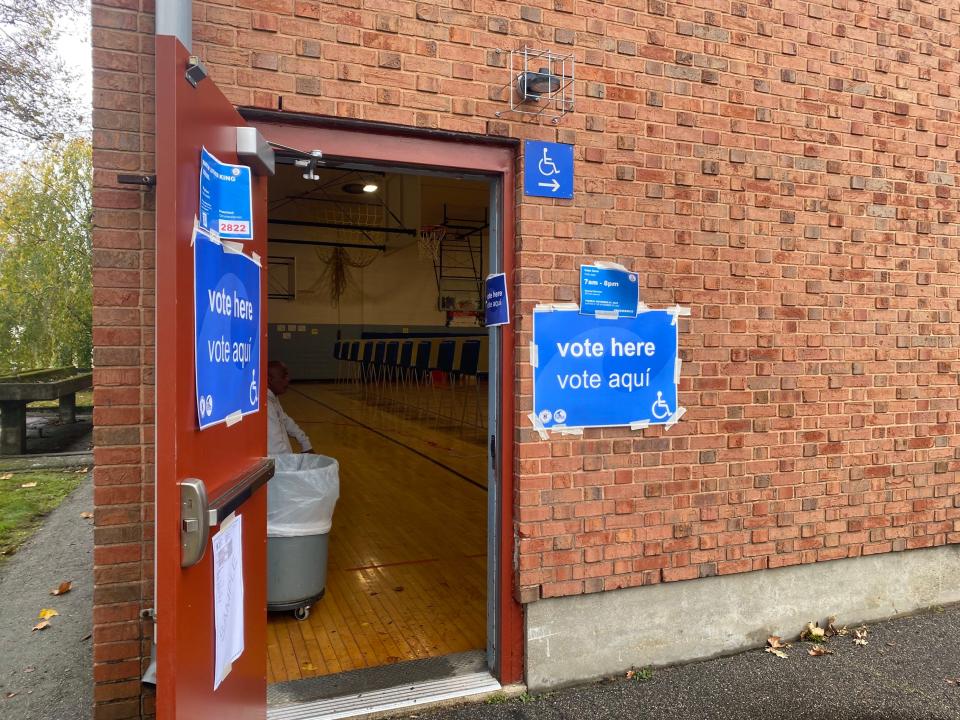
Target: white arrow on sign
{"x":553,"y":185}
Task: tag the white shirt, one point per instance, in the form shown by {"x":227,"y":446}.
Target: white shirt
{"x":279,"y":428}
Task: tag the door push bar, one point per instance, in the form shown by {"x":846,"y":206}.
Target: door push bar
{"x":198,"y":514}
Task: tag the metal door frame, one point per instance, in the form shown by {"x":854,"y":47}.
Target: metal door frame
{"x":459,"y":156}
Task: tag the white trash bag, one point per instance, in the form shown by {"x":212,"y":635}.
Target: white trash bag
{"x":302,"y":494}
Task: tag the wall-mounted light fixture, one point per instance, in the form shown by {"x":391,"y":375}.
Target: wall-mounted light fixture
{"x":542,"y":83}
{"x":533,"y":85}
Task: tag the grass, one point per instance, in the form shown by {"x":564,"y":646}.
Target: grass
{"x":84,"y":399}
{"x":22,"y":509}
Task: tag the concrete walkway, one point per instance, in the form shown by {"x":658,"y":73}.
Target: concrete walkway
{"x":49,"y":672}
{"x":909,"y":670}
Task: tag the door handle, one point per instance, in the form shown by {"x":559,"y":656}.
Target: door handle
{"x":194,"y":521}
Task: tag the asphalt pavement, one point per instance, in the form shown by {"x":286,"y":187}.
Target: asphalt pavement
{"x":908,"y":670}
{"x":48,"y":674}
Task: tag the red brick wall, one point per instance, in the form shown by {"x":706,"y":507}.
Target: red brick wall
{"x":123,"y":262}
{"x":784,"y":168}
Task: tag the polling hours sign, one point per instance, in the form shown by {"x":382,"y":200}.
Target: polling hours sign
{"x":226,"y":198}
{"x":597,"y":372}
{"x":227,"y":325}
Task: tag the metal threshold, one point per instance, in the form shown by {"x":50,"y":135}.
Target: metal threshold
{"x":384,"y":689}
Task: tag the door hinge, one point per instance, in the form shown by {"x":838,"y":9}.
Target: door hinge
{"x":145,"y":180}
{"x":195,"y":70}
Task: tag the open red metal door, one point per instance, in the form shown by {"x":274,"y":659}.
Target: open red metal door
{"x":228,"y":459}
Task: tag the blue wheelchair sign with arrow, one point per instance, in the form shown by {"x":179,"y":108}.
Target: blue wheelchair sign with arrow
{"x":548,"y":169}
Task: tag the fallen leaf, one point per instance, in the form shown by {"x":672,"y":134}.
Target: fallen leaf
{"x":775,"y":651}
{"x":29,"y":669}
{"x":47,"y":613}
{"x":82,"y":470}
{"x":774,"y":642}
{"x":43,"y":625}
{"x":818,"y":650}
{"x":631,"y":673}
{"x":29,"y":485}
{"x":86,"y":515}
{"x":64,"y":587}
{"x":831,"y":629}
{"x":6,"y":476}
{"x":860,"y":636}
{"x":9,"y":695}
{"x":812,"y":632}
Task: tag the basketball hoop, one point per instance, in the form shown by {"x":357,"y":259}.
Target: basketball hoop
{"x":429,"y":239}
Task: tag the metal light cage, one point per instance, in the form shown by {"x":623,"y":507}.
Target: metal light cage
{"x":541,"y":83}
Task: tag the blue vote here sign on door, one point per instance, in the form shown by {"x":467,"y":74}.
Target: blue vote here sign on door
{"x":608,"y":290}
{"x":226,"y":199}
{"x":592,"y":372}
{"x":547,"y":169}
{"x":497,"y":308}
{"x":227,"y":325}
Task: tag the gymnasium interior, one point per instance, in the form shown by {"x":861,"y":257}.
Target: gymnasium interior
{"x":374,"y":282}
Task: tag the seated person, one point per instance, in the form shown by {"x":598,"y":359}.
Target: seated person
{"x":281,"y":426}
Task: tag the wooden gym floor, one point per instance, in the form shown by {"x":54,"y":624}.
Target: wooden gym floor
{"x":406,"y":575}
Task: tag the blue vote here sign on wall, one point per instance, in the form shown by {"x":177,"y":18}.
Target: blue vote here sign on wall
{"x":547,"y":169}
{"x":226,"y":199}
{"x":608,"y":290}
{"x":227,"y":325}
{"x":592,"y":372}
{"x":497,"y":307}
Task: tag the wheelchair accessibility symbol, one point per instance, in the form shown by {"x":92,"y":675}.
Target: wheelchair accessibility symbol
{"x":253,"y":388}
{"x":660,"y":409}
{"x":548,"y":170}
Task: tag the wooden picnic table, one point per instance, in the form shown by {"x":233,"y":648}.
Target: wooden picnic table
{"x":16,"y":391}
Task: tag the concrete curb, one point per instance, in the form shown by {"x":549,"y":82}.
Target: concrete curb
{"x":10,"y":463}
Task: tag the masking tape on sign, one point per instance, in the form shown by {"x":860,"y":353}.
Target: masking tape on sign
{"x":534,"y":356}
{"x":606,"y":265}
{"x":538,"y":426}
{"x":564,"y":430}
{"x":676,"y":371}
{"x":639,"y":424}
{"x":233,"y":418}
{"x":675,"y":417}
{"x":676,"y":311}
{"x":550,"y":307}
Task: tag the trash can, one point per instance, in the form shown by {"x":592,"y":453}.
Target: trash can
{"x":301,"y":497}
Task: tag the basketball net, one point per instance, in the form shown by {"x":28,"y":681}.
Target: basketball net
{"x":429,"y":239}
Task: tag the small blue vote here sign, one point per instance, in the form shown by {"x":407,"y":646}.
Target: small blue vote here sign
{"x":497,"y":306}
{"x":593,"y":372}
{"x":608,"y":290}
{"x":227,"y":325}
{"x":547,"y":169}
{"x":226,"y":198}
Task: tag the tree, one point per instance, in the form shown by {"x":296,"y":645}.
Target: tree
{"x":36,"y":103}
{"x":45,"y":260}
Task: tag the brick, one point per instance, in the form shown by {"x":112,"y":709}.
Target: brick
{"x":804,"y":211}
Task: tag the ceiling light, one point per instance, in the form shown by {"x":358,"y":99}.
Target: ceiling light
{"x":370,"y":187}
